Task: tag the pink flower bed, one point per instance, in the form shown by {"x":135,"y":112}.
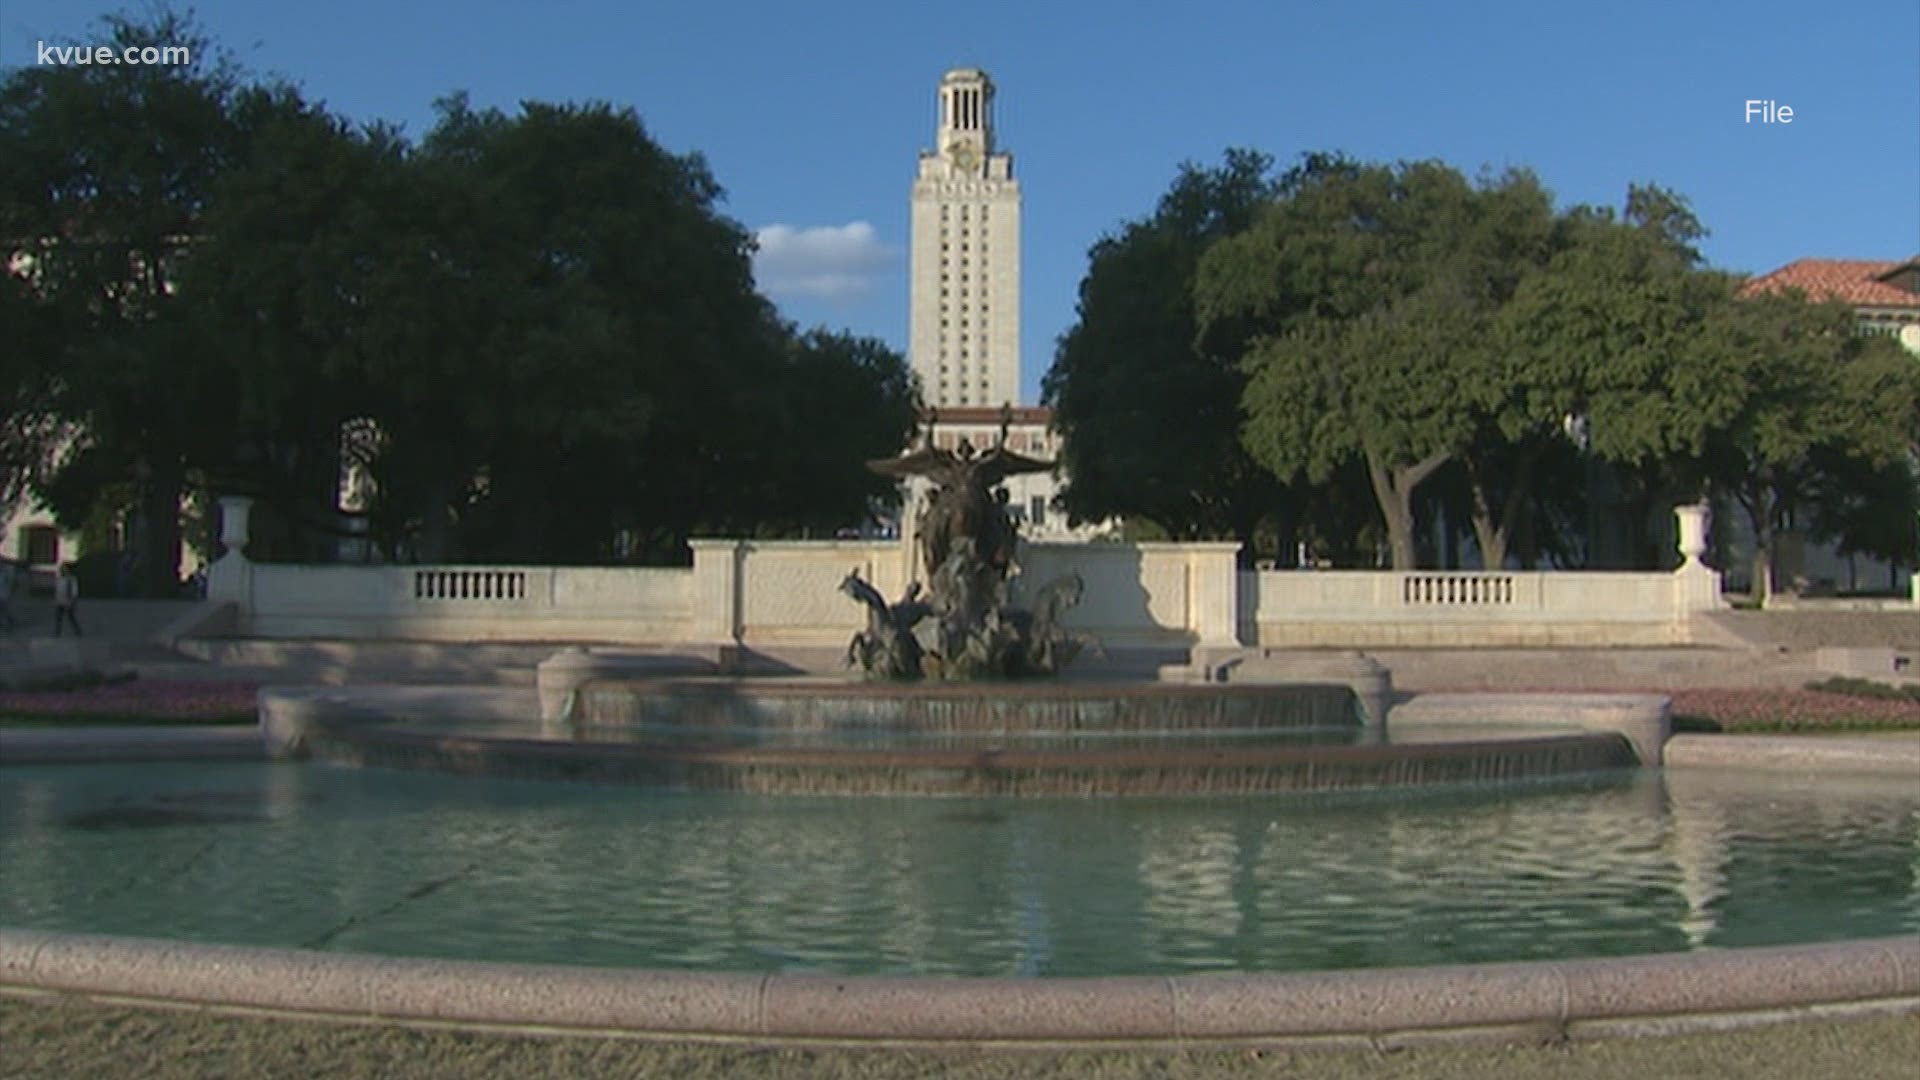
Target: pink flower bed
{"x":1804,"y":710}
{"x":1777,"y":709}
{"x":139,"y":698}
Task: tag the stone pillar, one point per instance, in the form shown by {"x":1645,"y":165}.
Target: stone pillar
{"x":1371,"y":682}
{"x":1693,"y":531}
{"x":557,"y":679}
{"x":716,"y":591}
{"x":354,"y":547}
{"x":1214,"y":595}
{"x":235,"y":514}
{"x":230,"y":578}
{"x":560,"y":678}
{"x":1696,"y":586}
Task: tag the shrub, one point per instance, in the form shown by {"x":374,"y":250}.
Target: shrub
{"x":1866,"y":688}
{"x":1789,"y":710}
{"x":133,"y":701}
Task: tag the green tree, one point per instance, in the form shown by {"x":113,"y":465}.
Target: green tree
{"x":1606,"y":343}
{"x":105,"y":173}
{"x":567,"y":360}
{"x":1820,"y":412}
{"x":839,"y":401}
{"x":286,"y":276}
{"x":1372,"y":291}
{"x":1865,"y":508}
{"x":30,"y":429}
{"x":602,"y":353}
{"x":1149,"y":410}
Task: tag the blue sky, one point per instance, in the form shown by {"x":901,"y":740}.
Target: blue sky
{"x":811,"y":114}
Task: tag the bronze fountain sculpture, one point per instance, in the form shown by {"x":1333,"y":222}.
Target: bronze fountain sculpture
{"x":966,"y":546}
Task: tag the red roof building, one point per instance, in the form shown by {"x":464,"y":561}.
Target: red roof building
{"x":1886,"y":295}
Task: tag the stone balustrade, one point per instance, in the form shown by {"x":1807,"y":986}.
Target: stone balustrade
{"x":1144,"y":595}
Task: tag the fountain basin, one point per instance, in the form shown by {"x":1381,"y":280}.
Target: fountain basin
{"x":825,"y":737}
{"x":1688,"y":849}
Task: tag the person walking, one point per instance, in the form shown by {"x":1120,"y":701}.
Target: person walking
{"x":66,"y":600}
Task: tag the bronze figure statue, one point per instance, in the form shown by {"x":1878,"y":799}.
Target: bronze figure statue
{"x":966,"y":548}
{"x":886,"y":649}
{"x":962,"y":502}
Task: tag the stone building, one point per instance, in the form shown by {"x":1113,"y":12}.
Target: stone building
{"x":964,"y":328}
{"x":1885,"y":295}
{"x":964,"y":303}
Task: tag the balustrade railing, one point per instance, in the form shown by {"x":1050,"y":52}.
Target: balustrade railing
{"x":1456,"y":590}
{"x":469,"y":584}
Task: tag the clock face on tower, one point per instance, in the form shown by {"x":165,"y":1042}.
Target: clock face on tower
{"x":965,"y":157}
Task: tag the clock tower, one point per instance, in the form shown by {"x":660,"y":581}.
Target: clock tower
{"x":965,"y":307}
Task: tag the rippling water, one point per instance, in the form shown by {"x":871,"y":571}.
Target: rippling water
{"x":429,"y":865}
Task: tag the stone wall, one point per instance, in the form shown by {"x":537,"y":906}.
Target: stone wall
{"x":1444,"y":608}
{"x":786,"y":594}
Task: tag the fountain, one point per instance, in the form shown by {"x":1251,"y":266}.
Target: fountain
{"x":966,"y":548}
{"x":960,"y":696}
{"x":712,"y":911}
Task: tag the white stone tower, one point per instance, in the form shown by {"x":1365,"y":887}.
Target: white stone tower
{"x":965,"y":328}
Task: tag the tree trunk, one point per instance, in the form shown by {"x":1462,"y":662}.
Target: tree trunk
{"x":434,"y":543}
{"x":1488,"y":533}
{"x":1758,"y":504}
{"x":1393,"y":489}
{"x":156,"y":545}
{"x":1494,"y":535}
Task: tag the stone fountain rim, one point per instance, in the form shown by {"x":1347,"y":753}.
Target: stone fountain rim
{"x":1634,"y":996}
{"x":1531,"y":1001}
{"x":1039,"y":689}
{"x":392,"y":724}
{"x":1003,"y":757}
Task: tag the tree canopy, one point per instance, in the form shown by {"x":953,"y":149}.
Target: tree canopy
{"x":105,"y":176}
{"x":1148,"y":409}
{"x":1372,"y":292}
{"x":530,"y":336}
{"x":1474,"y":360}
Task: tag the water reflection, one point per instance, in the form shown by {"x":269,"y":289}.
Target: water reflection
{"x":366,"y":860}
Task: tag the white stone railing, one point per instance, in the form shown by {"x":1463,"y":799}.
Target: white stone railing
{"x":1443,"y":608}
{"x":469,"y":583}
{"x":1456,"y":589}
{"x":787,"y":593}
{"x":459,"y":603}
